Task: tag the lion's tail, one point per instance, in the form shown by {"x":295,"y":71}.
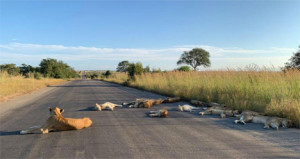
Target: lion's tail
{"x":87,"y":122}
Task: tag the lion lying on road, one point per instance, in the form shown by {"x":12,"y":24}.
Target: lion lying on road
{"x":273,"y":122}
{"x":186,"y":108}
{"x":159,"y":113}
{"x":56,"y":122}
{"x":245,"y":117}
{"x":172,"y":100}
{"x":143,"y":103}
{"x":218,"y":110}
{"x":106,"y":106}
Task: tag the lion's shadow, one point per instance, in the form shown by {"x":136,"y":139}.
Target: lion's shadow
{"x":9,"y":133}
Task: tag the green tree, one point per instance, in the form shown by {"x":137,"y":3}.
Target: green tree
{"x":25,"y":69}
{"x":11,"y":69}
{"x":146,"y":69}
{"x":135,"y":69}
{"x":195,"y":58}
{"x":122,"y":66}
{"x":56,"y":69}
{"x":294,"y":62}
{"x":156,"y":70}
{"x":184,"y":68}
{"x":107,"y":74}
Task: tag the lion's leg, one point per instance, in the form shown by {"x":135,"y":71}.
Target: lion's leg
{"x":153,"y":112}
{"x":46,"y":128}
{"x":117,"y":105}
{"x":32,"y":130}
{"x":205,"y":112}
{"x":153,"y":115}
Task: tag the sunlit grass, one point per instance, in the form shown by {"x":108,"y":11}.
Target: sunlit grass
{"x":267,"y":91}
{"x":16,"y":85}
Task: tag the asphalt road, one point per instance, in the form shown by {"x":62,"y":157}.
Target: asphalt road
{"x":129,"y":132}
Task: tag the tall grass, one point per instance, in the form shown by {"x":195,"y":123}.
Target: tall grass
{"x":16,"y":85}
{"x":269,"y":92}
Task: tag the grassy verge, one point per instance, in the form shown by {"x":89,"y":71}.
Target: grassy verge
{"x":269,"y":92}
{"x":17,"y":85}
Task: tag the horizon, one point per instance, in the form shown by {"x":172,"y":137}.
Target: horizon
{"x":97,"y":35}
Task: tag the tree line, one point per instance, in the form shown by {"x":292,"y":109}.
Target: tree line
{"x":49,"y":67}
{"x":193,"y":58}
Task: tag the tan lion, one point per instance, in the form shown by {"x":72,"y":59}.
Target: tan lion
{"x":223,"y":113}
{"x":172,"y":100}
{"x":276,"y":122}
{"x":159,"y":113}
{"x":186,"y":108}
{"x":106,"y":106}
{"x":246,"y":116}
{"x":56,"y":122}
{"x":143,"y":103}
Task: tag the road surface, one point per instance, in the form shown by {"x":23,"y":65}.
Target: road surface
{"x":128,"y":132}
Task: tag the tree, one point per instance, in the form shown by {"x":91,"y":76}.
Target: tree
{"x":107,"y":74}
{"x":11,"y":69}
{"x":122,"y":66}
{"x":294,"y":61}
{"x":195,"y":58}
{"x":56,"y":69}
{"x":25,"y":69}
{"x":135,"y":69}
{"x":147,"y":69}
{"x":184,"y":68}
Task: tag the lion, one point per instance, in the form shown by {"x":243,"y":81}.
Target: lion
{"x":223,"y":113}
{"x":198,"y":103}
{"x":209,"y":110}
{"x":246,"y":116}
{"x":186,"y":108}
{"x":106,"y":106}
{"x":143,"y":103}
{"x":172,"y":100}
{"x":159,"y":113}
{"x":56,"y":122}
{"x":276,"y":122}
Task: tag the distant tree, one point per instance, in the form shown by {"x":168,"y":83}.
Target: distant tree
{"x":122,"y":66}
{"x":56,"y":69}
{"x":294,"y":62}
{"x":195,"y":58}
{"x":146,"y":69}
{"x":135,"y":69}
{"x":25,"y":69}
{"x":107,"y":74}
{"x":11,"y":69}
{"x":184,"y":68}
{"x":156,"y":70}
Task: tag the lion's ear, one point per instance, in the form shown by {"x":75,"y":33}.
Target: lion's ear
{"x":62,"y":110}
{"x":50,"y":109}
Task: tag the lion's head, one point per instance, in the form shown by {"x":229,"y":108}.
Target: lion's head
{"x":180,"y":108}
{"x":55,"y":111}
{"x":164,"y":113}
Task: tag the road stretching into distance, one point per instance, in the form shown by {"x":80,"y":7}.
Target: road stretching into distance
{"x":129,"y":132}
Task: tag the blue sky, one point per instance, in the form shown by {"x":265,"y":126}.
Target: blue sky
{"x":98,"y":34}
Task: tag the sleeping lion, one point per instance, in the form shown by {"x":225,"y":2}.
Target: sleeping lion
{"x":106,"y":106}
{"x":143,"y":103}
{"x":56,"y":122}
{"x":159,"y":113}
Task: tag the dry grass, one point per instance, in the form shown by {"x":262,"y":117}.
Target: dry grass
{"x":269,"y":92}
{"x":16,"y":85}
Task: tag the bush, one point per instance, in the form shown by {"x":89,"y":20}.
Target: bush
{"x":107,"y":74}
{"x":184,"y":68}
{"x":37,"y":75}
{"x":135,"y":69}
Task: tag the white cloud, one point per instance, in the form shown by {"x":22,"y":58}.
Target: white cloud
{"x":164,"y":58}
